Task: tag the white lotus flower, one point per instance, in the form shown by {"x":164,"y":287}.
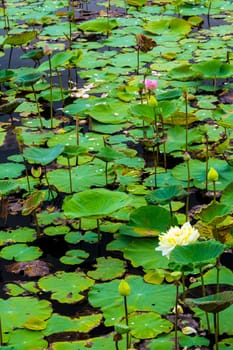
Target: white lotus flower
{"x":183,"y":235}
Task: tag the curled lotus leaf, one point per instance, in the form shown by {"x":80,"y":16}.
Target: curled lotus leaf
{"x":212,"y":303}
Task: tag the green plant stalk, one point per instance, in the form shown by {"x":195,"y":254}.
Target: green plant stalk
{"x":1,"y":340}
{"x":77,"y":135}
{"x":208,"y":12}
{"x":204,"y":294}
{"x":126,"y":322}
{"x":216,"y":329}
{"x":10,"y":56}
{"x":170,"y":208}
{"x":176,"y":317}
{"x":51,"y":92}
{"x":188,"y":189}
{"x":47,"y":180}
{"x":186,"y":121}
{"x":98,"y":230}
{"x":214,"y":186}
{"x":207,"y":161}
{"x":155,"y":167}
{"x":138,"y":60}
{"x":38,"y":107}
{"x":70,"y":175}
{"x":60,"y":85}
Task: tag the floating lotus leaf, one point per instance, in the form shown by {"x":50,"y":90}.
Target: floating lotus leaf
{"x":213,"y":69}
{"x":183,"y":72}
{"x":36,"y":54}
{"x":107,"y":269}
{"x":57,"y":94}
{"x":212,"y":303}
{"x":43,"y":156}
{"x":20,"y":252}
{"x":7,"y":187}
{"x":165,"y":195}
{"x":136,"y":3}
{"x":56,"y":230}
{"x":112,"y":113}
{"x":9,"y":107}
{"x":147,"y":221}
{"x":20,"y":39}
{"x":66,"y":286}
{"x":95,"y":203}
{"x":226,"y":197}
{"x":143,"y":297}
{"x":59,"y":30}
{"x":147,"y":325}
{"x":83,"y":324}
{"x":196,"y":254}
{"x":11,"y":170}
{"x":99,"y":25}
{"x":5,"y":75}
{"x":170,"y":27}
{"x":30,"y":268}
{"x":26,"y":339}
{"x":225,"y":344}
{"x":74,"y":257}
{"x":108,"y":154}
{"x":22,"y":234}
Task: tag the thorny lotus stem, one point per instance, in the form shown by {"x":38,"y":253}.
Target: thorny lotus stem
{"x":10,"y":56}
{"x":60,"y":85}
{"x":37,"y":224}
{"x":51,"y":91}
{"x":176,"y":317}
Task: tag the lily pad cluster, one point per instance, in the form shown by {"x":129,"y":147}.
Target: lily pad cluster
{"x":99,"y":165}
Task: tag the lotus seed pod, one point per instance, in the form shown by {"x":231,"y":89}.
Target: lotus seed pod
{"x":124,"y":288}
{"x":213,"y":175}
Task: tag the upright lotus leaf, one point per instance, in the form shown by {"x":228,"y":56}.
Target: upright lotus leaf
{"x":20,"y":39}
{"x":170,"y":27}
{"x":227,"y":194}
{"x":165,"y":194}
{"x":27,"y":80}
{"x":99,"y":25}
{"x":66,"y":287}
{"x":196,"y":254}
{"x":6,"y":75}
{"x":33,"y":202}
{"x":213,"y":213}
{"x":183,"y":72}
{"x":213,"y":69}
{"x":147,"y":221}
{"x":143,"y":297}
{"x":43,"y":156}
{"x":212,"y":303}
{"x":108,"y":154}
{"x":94,"y":203}
{"x":143,"y":111}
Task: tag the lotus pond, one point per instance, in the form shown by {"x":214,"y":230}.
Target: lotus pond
{"x":116,"y":174}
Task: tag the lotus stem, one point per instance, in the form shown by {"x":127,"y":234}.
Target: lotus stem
{"x":47,"y":180}
{"x":77,"y":135}
{"x":126,"y":321}
{"x":176,"y":316}
{"x":204,"y":294}
{"x":60,"y":85}
{"x":170,"y":208}
{"x":138,"y":60}
{"x":37,"y":106}
{"x":70,"y":175}
{"x":208,"y":12}
{"x":98,"y":230}
{"x":10,"y":56}
{"x":216,"y":329}
{"x":155,"y":167}
{"x":214,"y":186}
{"x":188,"y":189}
{"x":207,"y":161}
{"x":51,"y":91}
{"x":186,"y":120}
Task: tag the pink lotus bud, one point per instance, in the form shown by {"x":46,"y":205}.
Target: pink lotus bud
{"x":151,"y":84}
{"x":47,"y":50}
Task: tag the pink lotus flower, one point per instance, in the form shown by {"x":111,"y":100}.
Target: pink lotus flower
{"x":151,"y":84}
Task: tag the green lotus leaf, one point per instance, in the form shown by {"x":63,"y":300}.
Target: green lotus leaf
{"x":225,"y":344}
{"x":166,"y":342}
{"x":112,"y":113}
{"x":108,"y":154}
{"x":71,"y":151}
{"x":74,"y":257}
{"x":7,"y":187}
{"x":9,"y":107}
{"x":57,"y":94}
{"x":11,"y":170}
{"x":66,"y":286}
{"x":17,"y":311}
{"x":75,"y":237}
{"x":99,"y":25}
{"x":170,"y":27}
{"x":20,"y":252}
{"x":136,"y":3}
{"x":83,"y":324}
{"x":20,"y":39}
{"x":169,"y":94}
{"x":94,"y":203}
{"x":214,"y":213}
{"x":143,"y":297}
{"x":59,"y":30}
{"x":28,"y":79}
{"x":107,"y":269}
{"x":56,"y":230}
{"x":195,"y":254}
{"x":61,"y":58}
{"x":43,"y":156}
{"x":165,"y":195}
{"x":26,"y":339}
{"x":5,"y":75}
{"x":33,"y":202}
{"x":147,"y":325}
{"x":144,"y":112}
{"x":213,"y":69}
{"x":141,"y":252}
{"x":212,"y":303}
{"x":226,"y":197}
{"x":183,"y":72}
{"x":36,"y":54}
{"x":19,"y":235}
{"x":144,"y":222}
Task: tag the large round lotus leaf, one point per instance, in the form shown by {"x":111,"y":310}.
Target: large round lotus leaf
{"x":24,"y":339}
{"x":176,"y":138}
{"x":66,"y":286}
{"x":144,"y":112}
{"x":214,"y":213}
{"x":83,"y":324}
{"x":20,"y":252}
{"x":59,"y":30}
{"x":108,"y":154}
{"x":22,"y":234}
{"x":183,"y":72}
{"x":11,"y":170}
{"x":166,"y":341}
{"x":20,"y":39}
{"x":170,"y":27}
{"x":109,"y":113}
{"x":17,"y":311}
{"x":147,"y":221}
{"x":227,"y":195}
{"x":213,"y":69}
{"x":212,"y":303}
{"x":107,"y":269}
{"x":43,"y":156}
{"x":147,"y":325}
{"x":196,"y":254}
{"x":99,"y":25}
{"x":100,"y":343}
{"x":143,"y":297}
{"x":141,"y":252}
{"x":28,"y":79}
{"x":165,"y":194}
{"x":7,"y":187}
{"x":95,"y":202}
{"x":226,"y":344}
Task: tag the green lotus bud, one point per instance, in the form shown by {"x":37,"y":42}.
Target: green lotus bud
{"x":213,"y":175}
{"x":124,"y":288}
{"x":152,"y":101}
